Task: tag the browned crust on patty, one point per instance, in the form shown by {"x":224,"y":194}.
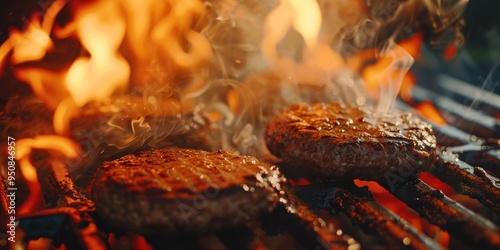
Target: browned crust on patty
{"x":338,"y":141}
{"x":174,"y":190}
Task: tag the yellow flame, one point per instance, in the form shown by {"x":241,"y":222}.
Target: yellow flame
{"x":31,"y":44}
{"x":5,"y":48}
{"x":169,"y":28}
{"x":62,"y":115}
{"x":307,"y":20}
{"x":56,"y":143}
{"x":106,"y":30}
{"x":303,"y":15}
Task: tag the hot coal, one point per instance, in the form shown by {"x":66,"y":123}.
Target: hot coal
{"x":336,"y":141}
{"x":184,"y":190}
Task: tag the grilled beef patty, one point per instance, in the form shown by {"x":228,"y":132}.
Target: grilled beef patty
{"x":125,"y":124}
{"x":175,"y":190}
{"x":343,"y":142}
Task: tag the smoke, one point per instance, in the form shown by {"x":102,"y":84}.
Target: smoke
{"x":355,"y":58}
{"x":219,"y":55}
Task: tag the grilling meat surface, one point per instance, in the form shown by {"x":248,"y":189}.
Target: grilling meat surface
{"x":343,"y":142}
{"x":184,"y":190}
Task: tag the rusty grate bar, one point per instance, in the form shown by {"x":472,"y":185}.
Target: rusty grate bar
{"x":487,"y":155}
{"x":359,"y":206}
{"x":471,"y":228}
{"x":309,"y":229}
{"x":468,"y":180}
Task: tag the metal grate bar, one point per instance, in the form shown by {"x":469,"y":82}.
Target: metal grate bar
{"x":360,"y":207}
{"x":432,"y":204}
{"x":487,"y":99}
{"x":472,"y":181}
{"x":472,"y":121}
{"x":310,"y":230}
{"x":488,"y":157}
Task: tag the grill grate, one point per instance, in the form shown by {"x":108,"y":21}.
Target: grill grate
{"x":440,"y":210}
{"x":295,"y":224}
{"x":360,"y":207}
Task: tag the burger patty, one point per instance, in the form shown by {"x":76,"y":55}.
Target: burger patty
{"x":125,"y":124}
{"x":175,"y":190}
{"x":345,"y":142}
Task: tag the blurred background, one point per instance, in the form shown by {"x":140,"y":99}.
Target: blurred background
{"x":478,"y":60}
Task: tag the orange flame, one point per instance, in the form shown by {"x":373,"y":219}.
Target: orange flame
{"x":32,"y":43}
{"x":390,"y":72}
{"x":109,"y":31}
{"x":303,"y":15}
{"x":413,"y":44}
{"x":427,"y":110}
{"x":105,"y":69}
{"x":450,"y":51}
{"x":385,"y":76}
{"x":382,"y":196}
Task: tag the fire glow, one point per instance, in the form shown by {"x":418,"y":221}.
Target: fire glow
{"x":298,"y":42}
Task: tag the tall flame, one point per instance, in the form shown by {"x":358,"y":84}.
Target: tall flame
{"x":105,"y":70}
{"x":110,"y":34}
{"x":25,"y":148}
